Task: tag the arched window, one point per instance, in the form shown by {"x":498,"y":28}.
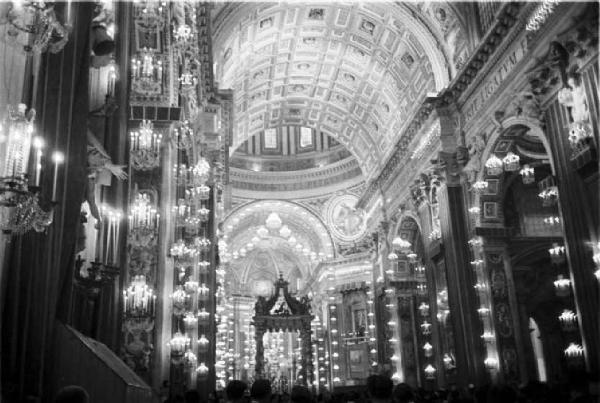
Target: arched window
{"x":271,"y":138}
{"x":306,"y":139}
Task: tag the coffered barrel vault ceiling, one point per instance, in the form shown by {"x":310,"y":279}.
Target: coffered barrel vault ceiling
{"x":356,"y":72}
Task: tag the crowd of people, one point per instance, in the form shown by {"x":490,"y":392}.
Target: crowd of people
{"x":379,"y":389}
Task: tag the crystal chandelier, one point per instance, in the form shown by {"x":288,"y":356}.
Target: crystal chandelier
{"x":19,"y":202}
{"x":480,"y":186}
{"x":38,"y":19}
{"x":144,"y":146}
{"x":178,"y":343}
{"x":139,"y":298}
{"x":273,"y":221}
{"x":511,"y":162}
{"x":143,"y":215}
{"x":494,"y":165}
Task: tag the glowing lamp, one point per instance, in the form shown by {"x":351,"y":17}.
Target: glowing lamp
{"x":190,"y":358}
{"x":488,"y":337}
{"x":557,"y":253}
{"x":527,"y":174}
{"x":475,"y":242}
{"x":285,"y":231}
{"x":549,"y":196}
{"x":412,"y":257}
{"x":568,"y":320}
{"x":474,"y":210}
{"x":511,"y":162}
{"x":448,"y":361}
{"x":400,"y":243}
{"x":428,"y":349}
{"x":490,"y":363}
{"x":494,"y":165}
{"x":562,"y":286}
{"x":190,"y":319}
{"x":574,"y":351}
{"x":429,"y":372}
{"x":273,"y":221}
{"x":480,"y":186}
{"x":178,"y":343}
{"x":202,"y":370}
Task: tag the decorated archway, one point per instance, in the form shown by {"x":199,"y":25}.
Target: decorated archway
{"x":282,"y":311}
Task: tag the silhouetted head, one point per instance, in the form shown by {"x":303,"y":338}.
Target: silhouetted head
{"x":301,"y":394}
{"x":380,"y":388}
{"x":191,"y":396}
{"x":403,"y":393}
{"x":261,"y":390}
{"x":72,"y":394}
{"x":235,"y":390}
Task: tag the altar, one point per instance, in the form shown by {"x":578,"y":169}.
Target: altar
{"x":280,"y":313}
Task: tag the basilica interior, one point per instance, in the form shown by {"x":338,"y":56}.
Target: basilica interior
{"x":311,"y":193}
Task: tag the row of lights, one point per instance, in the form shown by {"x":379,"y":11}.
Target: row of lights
{"x":488,"y":336}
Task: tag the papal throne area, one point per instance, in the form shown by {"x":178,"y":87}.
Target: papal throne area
{"x":299,"y":202}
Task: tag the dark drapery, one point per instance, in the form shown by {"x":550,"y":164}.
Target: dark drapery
{"x":41,"y":265}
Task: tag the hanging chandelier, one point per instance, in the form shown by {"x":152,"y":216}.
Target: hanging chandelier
{"x":139,"y":298}
{"x":147,"y":72}
{"x":143,"y":215}
{"x":38,"y":19}
{"x":273,"y":221}
{"x":144,"y":146}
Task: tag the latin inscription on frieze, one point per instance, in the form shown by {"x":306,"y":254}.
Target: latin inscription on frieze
{"x":495,"y":78}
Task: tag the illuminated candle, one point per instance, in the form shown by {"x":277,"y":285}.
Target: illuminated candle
{"x":38,"y":144}
{"x":58,"y":158}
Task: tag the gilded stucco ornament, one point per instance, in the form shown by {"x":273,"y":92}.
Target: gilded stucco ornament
{"x":346,"y":222}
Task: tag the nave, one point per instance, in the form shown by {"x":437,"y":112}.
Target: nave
{"x":299,"y":201}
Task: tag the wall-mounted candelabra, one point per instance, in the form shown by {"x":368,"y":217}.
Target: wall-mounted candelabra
{"x":20,"y":210}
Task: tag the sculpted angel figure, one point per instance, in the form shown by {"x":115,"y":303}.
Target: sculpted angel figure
{"x":476,"y":147}
{"x":573,"y":96}
{"x":100,"y":169}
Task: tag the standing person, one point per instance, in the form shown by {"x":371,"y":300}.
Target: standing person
{"x":234,"y":392}
{"x":261,"y":391}
{"x":403,"y":393}
{"x":191,"y":396}
{"x":301,"y":394}
{"x":380,"y":389}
